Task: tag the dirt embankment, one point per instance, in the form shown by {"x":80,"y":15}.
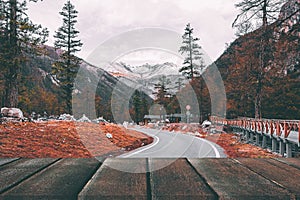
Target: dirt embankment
{"x":230,"y":142}
{"x":62,"y":139}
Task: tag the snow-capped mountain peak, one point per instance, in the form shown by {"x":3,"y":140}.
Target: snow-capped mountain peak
{"x":146,"y":76}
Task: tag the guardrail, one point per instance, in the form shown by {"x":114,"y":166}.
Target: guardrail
{"x":272,"y":127}
{"x":282,"y":135}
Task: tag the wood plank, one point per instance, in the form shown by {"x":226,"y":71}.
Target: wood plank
{"x":233,"y":181}
{"x":4,"y":161}
{"x":281,"y":173}
{"x":111,"y":183}
{"x":63,"y":180}
{"x":295,"y":162}
{"x":177,"y":180}
{"x":15,"y":172}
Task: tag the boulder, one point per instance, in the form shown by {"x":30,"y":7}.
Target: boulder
{"x":66,"y":117}
{"x":84,"y":119}
{"x":12,"y":112}
{"x":109,"y":135}
{"x":100,"y":120}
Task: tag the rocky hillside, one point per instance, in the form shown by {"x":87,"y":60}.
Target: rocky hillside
{"x":290,"y":13}
{"x":40,"y":92}
{"x":240,"y":67}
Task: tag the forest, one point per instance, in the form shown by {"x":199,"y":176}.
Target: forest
{"x":260,"y":68}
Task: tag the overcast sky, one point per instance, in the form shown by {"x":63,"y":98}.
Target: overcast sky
{"x":99,"y":20}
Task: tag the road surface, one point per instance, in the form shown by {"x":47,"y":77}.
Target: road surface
{"x":174,"y":145}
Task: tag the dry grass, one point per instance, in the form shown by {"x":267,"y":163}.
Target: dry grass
{"x":61,"y":139}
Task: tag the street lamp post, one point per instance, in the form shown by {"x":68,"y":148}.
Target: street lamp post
{"x":160,"y":113}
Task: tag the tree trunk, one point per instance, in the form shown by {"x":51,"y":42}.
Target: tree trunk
{"x":265,"y":14}
{"x":201,"y":101}
{"x":11,"y":90}
{"x":68,"y":99}
{"x":11,"y":98}
{"x":263,"y":41}
{"x":258,"y":99}
{"x":191,"y":54}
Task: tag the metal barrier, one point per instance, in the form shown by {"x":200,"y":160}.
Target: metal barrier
{"x":284,"y":131}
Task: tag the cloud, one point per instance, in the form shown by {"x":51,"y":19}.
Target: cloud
{"x":100,"y":20}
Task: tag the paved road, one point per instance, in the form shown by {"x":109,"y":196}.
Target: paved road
{"x":175,"y":145}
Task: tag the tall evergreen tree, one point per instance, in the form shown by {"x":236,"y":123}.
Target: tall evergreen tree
{"x":19,"y":37}
{"x":66,"y":69}
{"x":162,"y":91}
{"x":193,"y":64}
{"x":144,"y":105}
{"x":137,"y":104}
{"x":141,"y":106}
{"x":179,"y":83}
{"x":192,"y":50}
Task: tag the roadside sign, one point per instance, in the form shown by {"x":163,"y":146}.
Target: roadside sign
{"x":188,"y":107}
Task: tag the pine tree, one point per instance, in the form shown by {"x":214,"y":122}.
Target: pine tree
{"x":4,"y":45}
{"x":19,"y":37}
{"x":66,"y":69}
{"x":137,"y":104}
{"x":179,"y":83}
{"x":144,"y":106}
{"x":192,"y":65}
{"x":162,"y":91}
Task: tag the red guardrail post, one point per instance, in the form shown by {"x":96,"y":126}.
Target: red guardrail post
{"x":299,"y":133}
{"x":278,"y":131}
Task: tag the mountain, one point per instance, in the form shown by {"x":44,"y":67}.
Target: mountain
{"x":291,"y":14}
{"x":40,"y":92}
{"x":240,"y":67}
{"x":146,"y":76}
{"x":110,"y":89}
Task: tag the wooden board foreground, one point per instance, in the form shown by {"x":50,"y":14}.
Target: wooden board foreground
{"x":150,"y":178}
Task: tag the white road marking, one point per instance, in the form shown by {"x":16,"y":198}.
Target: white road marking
{"x":213,"y":146}
{"x":217,"y":153}
{"x":147,"y":147}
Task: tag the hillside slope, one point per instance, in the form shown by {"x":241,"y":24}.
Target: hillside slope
{"x":239,"y":66}
{"x":40,"y":92}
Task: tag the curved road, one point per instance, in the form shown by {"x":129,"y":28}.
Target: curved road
{"x":174,"y":145}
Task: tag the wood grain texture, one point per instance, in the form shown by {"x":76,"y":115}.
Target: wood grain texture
{"x":15,"y":172}
{"x":140,"y":178}
{"x":62,"y":180}
{"x":111,"y":183}
{"x":233,"y":181}
{"x":4,"y":161}
{"x":295,"y":162}
{"x":286,"y":176}
{"x":177,"y":180}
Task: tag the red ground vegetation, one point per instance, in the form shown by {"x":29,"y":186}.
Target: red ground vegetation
{"x":194,"y":129}
{"x":230,"y":142}
{"x":61,"y":139}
